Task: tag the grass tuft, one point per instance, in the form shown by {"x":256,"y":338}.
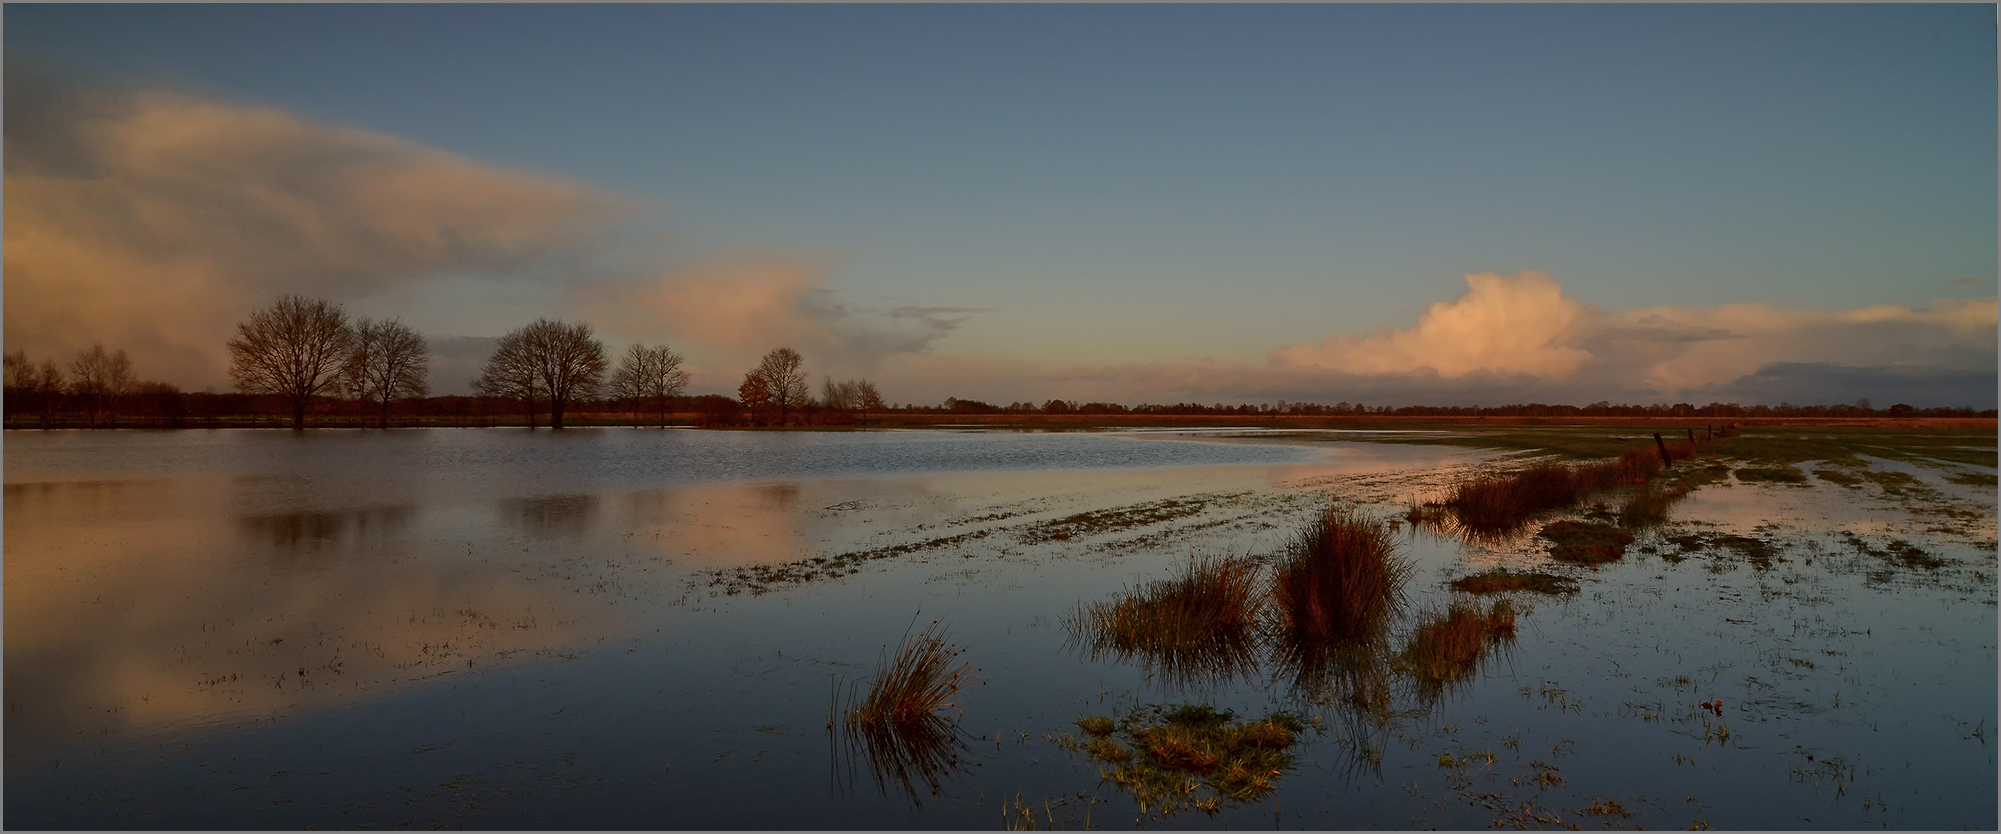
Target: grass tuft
{"x":1490,"y":504}
{"x":1199,"y":625}
{"x":906,"y":725}
{"x":1340,"y":580}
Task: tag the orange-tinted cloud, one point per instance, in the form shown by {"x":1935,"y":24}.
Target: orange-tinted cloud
{"x":732,"y":311}
{"x":155,"y":221}
{"x":1518,"y":324}
{"x":1517,"y":339}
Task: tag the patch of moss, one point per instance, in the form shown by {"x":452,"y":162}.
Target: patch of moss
{"x":1756,"y":551}
{"x":1502,"y":580}
{"x":1585,"y":542}
{"x":1193,"y":756}
{"x":1985,"y":479}
{"x":1896,"y":551}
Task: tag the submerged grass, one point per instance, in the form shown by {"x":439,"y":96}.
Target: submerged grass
{"x":1770,"y":474}
{"x":1502,"y":580}
{"x":1586,"y":542}
{"x":1192,"y":756}
{"x":1198,"y":625}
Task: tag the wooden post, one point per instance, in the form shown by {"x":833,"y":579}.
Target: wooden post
{"x":1665,"y":460}
{"x":1691,"y":438}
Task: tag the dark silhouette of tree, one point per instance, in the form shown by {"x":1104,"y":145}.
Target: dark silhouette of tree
{"x":98,"y":379}
{"x":293,"y":350}
{"x":867,"y":399}
{"x":853,"y":396}
{"x":388,"y":361}
{"x":754,"y":393}
{"x":564,"y":362}
{"x":510,"y":374}
{"x":650,"y":373}
{"x":784,"y":382}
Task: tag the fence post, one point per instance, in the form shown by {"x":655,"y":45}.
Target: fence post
{"x":1665,"y":460}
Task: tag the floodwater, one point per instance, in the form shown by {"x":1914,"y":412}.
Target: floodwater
{"x":628,"y":628}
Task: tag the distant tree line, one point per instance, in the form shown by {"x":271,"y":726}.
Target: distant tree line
{"x":304,"y":356}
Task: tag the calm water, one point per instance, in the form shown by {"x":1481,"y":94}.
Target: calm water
{"x":503,"y":629}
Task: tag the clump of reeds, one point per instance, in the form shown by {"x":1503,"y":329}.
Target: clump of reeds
{"x":1334,"y":593}
{"x":1198,"y":625}
{"x":1195,"y":756}
{"x":1500,"y":503}
{"x":1586,"y":542}
{"x":1494,"y":503}
{"x":905,"y":726}
{"x":1502,"y":580}
{"x":1340,"y":580}
{"x":1447,"y":648}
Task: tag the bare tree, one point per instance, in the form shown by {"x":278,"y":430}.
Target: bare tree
{"x":754,"y":393}
{"x":650,"y":373}
{"x":48,"y":382}
{"x":99,"y":379}
{"x":867,"y":399}
{"x":387,"y":361}
{"x":564,"y":362}
{"x":294,"y":350}
{"x":510,"y":374}
{"x":784,"y":382}
{"x":838,"y":396}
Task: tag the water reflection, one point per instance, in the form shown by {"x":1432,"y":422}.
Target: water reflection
{"x":551,"y":517}
{"x":313,"y":541}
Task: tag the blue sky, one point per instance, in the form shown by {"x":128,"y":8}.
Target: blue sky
{"x":1114,"y":185}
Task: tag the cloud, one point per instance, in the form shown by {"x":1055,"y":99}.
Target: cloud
{"x":1517,"y":339}
{"x":1974,"y":280}
{"x":155,"y":220}
{"x":734,"y":310}
{"x":1515,"y":324}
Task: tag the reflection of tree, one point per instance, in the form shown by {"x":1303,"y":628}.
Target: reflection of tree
{"x":301,"y":540}
{"x":552,"y":516}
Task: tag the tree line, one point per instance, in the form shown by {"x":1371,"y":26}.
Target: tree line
{"x":300,"y":354}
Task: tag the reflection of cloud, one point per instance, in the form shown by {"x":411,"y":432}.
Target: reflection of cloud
{"x":156,"y":221}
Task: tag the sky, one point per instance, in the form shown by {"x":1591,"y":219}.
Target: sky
{"x":1389,"y":204}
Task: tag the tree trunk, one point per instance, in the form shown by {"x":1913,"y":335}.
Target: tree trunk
{"x":299,"y":413}
{"x":555,"y":413}
{"x":385,"y":412}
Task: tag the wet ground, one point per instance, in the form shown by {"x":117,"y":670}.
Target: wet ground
{"x":417,"y":629}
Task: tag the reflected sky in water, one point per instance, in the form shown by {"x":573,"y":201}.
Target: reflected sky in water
{"x":492,"y":628}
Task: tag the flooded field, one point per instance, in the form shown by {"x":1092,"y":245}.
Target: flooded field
{"x":624,"y":628}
